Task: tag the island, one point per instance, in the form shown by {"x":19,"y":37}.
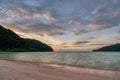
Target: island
{"x":114,"y":47}
{"x":11,"y":42}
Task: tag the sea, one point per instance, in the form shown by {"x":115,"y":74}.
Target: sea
{"x":101,"y":60}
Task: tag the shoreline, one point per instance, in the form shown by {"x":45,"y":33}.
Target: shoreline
{"x":59,"y":64}
{"x":41,"y":71}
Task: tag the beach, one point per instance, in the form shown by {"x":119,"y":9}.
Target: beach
{"x":18,"y":70}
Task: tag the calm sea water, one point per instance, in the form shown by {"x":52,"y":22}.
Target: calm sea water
{"x":106,"y":60}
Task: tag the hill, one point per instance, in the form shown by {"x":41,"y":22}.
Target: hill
{"x":10,"y":41}
{"x":114,"y":47}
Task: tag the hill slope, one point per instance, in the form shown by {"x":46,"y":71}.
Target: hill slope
{"x":9,"y":41}
{"x":114,"y":47}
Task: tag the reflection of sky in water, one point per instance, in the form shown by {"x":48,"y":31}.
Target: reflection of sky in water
{"x":90,"y":59}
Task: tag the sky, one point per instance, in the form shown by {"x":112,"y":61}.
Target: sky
{"x":65,"y":25}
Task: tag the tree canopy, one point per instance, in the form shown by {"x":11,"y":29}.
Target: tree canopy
{"x":114,"y":47}
{"x":10,"y":41}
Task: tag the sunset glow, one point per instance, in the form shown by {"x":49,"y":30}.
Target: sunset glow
{"x":65,"y":25}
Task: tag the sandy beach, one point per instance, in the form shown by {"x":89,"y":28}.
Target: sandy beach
{"x":16,"y":70}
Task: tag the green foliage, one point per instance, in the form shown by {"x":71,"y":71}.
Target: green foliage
{"x":9,"y":41}
{"x":115,"y":47}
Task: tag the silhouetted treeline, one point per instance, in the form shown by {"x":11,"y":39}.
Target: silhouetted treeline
{"x":9,"y":41}
{"x":115,"y":47}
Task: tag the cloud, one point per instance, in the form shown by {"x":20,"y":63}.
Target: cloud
{"x":115,"y":1}
{"x":117,"y":37}
{"x":69,"y":19}
{"x":64,"y":43}
{"x":56,"y":33}
{"x":119,"y":31}
{"x":97,"y":44}
{"x":97,"y":16}
{"x":81,"y":42}
{"x":106,"y":16}
{"x":41,"y":29}
{"x":80,"y":31}
{"x":67,"y":46}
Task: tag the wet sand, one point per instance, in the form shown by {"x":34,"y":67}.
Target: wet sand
{"x":16,"y":70}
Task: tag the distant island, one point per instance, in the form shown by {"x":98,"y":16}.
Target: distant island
{"x":10,"y":41}
{"x":114,"y":47}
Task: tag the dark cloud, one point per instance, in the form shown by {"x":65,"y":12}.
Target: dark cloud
{"x":89,"y":38}
{"x":61,"y":18}
{"x":56,"y":33}
{"x":73,"y":46}
{"x":102,"y":14}
{"x":117,"y":37}
{"x":119,"y":31}
{"x":64,"y":43}
{"x":80,"y":31}
{"x":97,"y":44}
{"x":42,"y":35}
{"x":81,"y":42}
{"x":41,"y":29}
{"x":107,"y":15}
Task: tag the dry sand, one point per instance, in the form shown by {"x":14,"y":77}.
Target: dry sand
{"x":14,"y":70}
